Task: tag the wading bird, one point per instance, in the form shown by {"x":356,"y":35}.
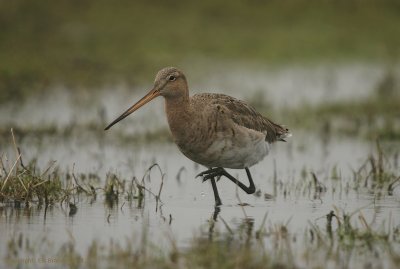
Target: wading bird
{"x":214,"y":130}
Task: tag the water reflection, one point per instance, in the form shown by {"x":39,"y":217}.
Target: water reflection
{"x":119,"y":190}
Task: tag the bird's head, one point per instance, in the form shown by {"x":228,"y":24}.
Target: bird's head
{"x":170,"y":83}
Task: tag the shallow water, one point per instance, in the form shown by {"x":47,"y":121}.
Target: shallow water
{"x":188,"y":201}
{"x":187,"y":204}
{"x":274,"y":87}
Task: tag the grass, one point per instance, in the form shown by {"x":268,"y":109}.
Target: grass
{"x":377,"y":176}
{"x":371,"y":118}
{"x":346,"y":239}
{"x":375,"y":117}
{"x":26,"y":185}
{"x":92,"y":43}
{"x":352,"y":243}
{"x":20,"y":184}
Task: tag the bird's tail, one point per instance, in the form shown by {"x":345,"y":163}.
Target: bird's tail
{"x":284,"y":135}
{"x":277,"y":132}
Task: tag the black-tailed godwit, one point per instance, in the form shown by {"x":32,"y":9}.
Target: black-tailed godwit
{"x":214,"y":130}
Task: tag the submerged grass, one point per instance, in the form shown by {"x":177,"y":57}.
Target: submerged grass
{"x":25,"y":185}
{"x":348,"y":242}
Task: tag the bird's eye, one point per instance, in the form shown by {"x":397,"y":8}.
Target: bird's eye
{"x":171,"y":78}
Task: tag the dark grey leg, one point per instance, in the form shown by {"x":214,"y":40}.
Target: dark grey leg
{"x":216,"y":195}
{"x":219,"y":171}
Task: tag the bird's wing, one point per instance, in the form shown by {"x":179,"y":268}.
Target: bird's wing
{"x":245,"y":115}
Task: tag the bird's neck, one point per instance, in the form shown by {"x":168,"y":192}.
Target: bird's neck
{"x":178,"y":114}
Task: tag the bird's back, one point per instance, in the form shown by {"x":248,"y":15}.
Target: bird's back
{"x":244,"y":115}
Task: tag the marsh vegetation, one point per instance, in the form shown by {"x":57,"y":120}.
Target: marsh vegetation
{"x":73,"y":196}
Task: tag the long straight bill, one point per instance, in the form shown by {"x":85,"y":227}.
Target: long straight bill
{"x":147,"y":98}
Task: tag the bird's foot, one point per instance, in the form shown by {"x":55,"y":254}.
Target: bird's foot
{"x":212,"y":173}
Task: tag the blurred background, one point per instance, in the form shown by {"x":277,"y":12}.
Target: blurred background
{"x":329,"y":66}
{"x":86,"y":61}
{"x":84,"y":45}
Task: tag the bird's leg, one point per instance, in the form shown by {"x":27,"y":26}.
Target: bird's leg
{"x":250,"y":189}
{"x":216,"y":195}
{"x":219,"y":171}
{"x":208,"y":174}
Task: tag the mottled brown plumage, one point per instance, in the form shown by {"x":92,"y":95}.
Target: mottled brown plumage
{"x":215,"y":130}
{"x":245,"y":115}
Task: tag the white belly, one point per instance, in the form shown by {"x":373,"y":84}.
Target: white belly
{"x":236,"y":152}
{"x":237,"y":157}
